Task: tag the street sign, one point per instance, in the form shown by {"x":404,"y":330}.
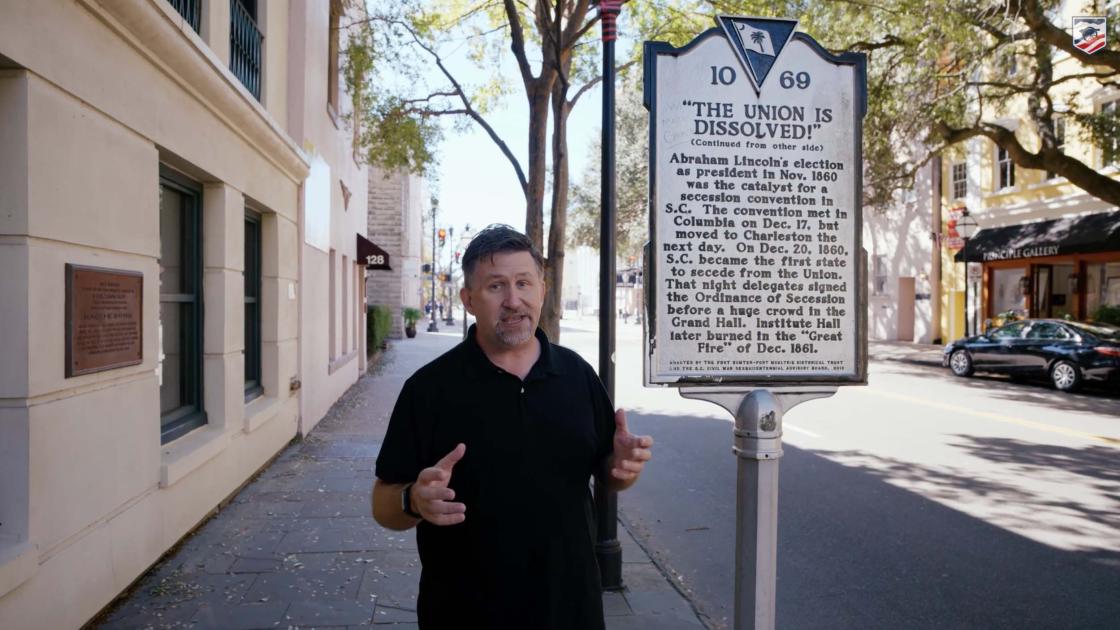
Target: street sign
{"x":755,"y":260}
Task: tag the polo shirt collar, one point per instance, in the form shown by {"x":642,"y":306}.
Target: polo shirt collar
{"x":478,"y":364}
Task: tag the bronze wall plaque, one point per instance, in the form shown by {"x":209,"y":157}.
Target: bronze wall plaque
{"x":104,"y":319}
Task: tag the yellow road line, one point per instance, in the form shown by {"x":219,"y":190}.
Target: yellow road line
{"x":1042,"y":426}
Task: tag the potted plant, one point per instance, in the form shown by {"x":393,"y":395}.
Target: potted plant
{"x":411,"y":316}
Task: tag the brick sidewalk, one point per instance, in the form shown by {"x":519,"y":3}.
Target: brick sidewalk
{"x":298,"y":548}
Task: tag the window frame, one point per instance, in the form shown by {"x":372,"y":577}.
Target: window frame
{"x":254,"y":387}
{"x":189,"y":417}
{"x":1005,"y":168}
{"x":954,"y":182}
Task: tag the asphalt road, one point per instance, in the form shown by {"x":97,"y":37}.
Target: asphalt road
{"x":919,"y":501}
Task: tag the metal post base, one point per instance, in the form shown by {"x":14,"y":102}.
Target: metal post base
{"x":758,"y":446}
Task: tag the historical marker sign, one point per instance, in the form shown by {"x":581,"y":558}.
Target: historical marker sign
{"x":755,"y":259}
{"x":104,"y":319}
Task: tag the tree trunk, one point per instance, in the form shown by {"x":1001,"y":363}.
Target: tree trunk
{"x":538,"y":96}
{"x":554,"y":269}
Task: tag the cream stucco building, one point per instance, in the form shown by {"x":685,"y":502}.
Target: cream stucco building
{"x":180,"y":211}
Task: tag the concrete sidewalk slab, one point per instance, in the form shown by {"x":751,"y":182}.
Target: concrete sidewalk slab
{"x":297,"y":547}
{"x":916,"y":353}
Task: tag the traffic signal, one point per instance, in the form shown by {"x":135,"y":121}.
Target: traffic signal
{"x":426,"y":268}
{"x":442,"y":236}
{"x":457,"y":257}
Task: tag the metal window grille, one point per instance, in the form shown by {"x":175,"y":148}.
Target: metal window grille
{"x":245,"y":48}
{"x":191,"y":10}
{"x":960,"y":180}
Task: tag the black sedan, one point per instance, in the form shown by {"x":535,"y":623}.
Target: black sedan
{"x":1068,"y":353}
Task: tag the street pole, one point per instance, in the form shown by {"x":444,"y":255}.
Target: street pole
{"x":607,"y":548}
{"x":432,"y":327}
{"x":757,"y":447}
{"x":966,"y":227}
{"x":450,"y":279}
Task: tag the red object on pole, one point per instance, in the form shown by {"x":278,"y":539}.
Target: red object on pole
{"x":608,"y":14}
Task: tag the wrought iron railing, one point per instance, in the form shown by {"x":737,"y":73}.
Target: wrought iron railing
{"x":191,"y":10}
{"x":245,"y":48}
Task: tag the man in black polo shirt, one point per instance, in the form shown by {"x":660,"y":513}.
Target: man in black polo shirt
{"x":489,"y":452}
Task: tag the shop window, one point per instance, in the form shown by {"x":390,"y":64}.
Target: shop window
{"x":180,"y":307}
{"x":1059,"y":138}
{"x":1006,"y":168}
{"x":253,"y":387}
{"x":1110,"y":146}
{"x":1007,"y":293}
{"x":959,"y":180}
{"x":1102,"y":287}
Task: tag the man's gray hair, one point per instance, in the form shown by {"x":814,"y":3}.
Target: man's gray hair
{"x":496,"y":239}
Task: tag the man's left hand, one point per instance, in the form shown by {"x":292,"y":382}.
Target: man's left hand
{"x":631,"y":452}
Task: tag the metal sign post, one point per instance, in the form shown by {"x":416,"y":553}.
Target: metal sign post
{"x":755,"y":268}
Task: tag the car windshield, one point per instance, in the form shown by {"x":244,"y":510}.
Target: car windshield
{"x":1104,"y":331}
{"x":1010,"y":331}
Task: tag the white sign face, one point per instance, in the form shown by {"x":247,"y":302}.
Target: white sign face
{"x":755,"y":225}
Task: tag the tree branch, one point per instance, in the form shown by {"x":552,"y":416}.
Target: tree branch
{"x":471,"y":111}
{"x":1047,"y":158}
{"x":517,"y":43}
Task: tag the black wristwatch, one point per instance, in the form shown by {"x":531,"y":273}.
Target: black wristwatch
{"x":406,"y":502}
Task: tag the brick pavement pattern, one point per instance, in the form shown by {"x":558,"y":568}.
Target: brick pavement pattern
{"x":297,"y":546}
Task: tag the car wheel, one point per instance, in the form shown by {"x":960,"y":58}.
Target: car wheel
{"x":960,"y":363}
{"x":1065,"y":376}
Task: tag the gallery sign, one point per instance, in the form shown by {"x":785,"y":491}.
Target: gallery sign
{"x":755,"y":264}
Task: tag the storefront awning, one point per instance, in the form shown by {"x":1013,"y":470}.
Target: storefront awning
{"x":375,"y":257}
{"x":1074,"y":235}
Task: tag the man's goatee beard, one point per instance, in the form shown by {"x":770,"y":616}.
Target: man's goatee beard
{"x":514,"y":337}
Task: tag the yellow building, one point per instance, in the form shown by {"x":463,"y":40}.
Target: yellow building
{"x":1045,"y":248}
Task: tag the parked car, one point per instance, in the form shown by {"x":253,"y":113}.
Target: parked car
{"x":1068,"y":353}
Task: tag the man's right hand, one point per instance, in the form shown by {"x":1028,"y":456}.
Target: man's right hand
{"x":431,"y":497}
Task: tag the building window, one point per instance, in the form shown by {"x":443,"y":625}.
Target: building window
{"x":1006,"y":168}
{"x":180,"y":307}
{"x":245,"y":45}
{"x":253,"y":387}
{"x":332,"y":309}
{"x":959,"y":179}
{"x":1110,"y":147}
{"x":191,"y":10}
{"x":880,"y":274}
{"x":1059,"y":138}
{"x":344,"y":287}
{"x":332,"y":58}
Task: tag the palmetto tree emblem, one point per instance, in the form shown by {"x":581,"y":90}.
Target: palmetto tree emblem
{"x":757,"y":37}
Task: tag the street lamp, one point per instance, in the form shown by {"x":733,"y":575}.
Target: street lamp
{"x":607,"y":548}
{"x":967,"y":228}
{"x":432,"y":327}
{"x":450,"y":319}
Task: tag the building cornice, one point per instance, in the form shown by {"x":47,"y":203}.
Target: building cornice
{"x":162,"y":36}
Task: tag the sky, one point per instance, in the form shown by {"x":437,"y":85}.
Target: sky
{"x":475,"y":182}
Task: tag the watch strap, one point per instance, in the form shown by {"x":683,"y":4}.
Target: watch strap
{"x":406,"y":502}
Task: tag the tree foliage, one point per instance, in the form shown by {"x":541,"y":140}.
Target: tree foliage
{"x":945,"y":71}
